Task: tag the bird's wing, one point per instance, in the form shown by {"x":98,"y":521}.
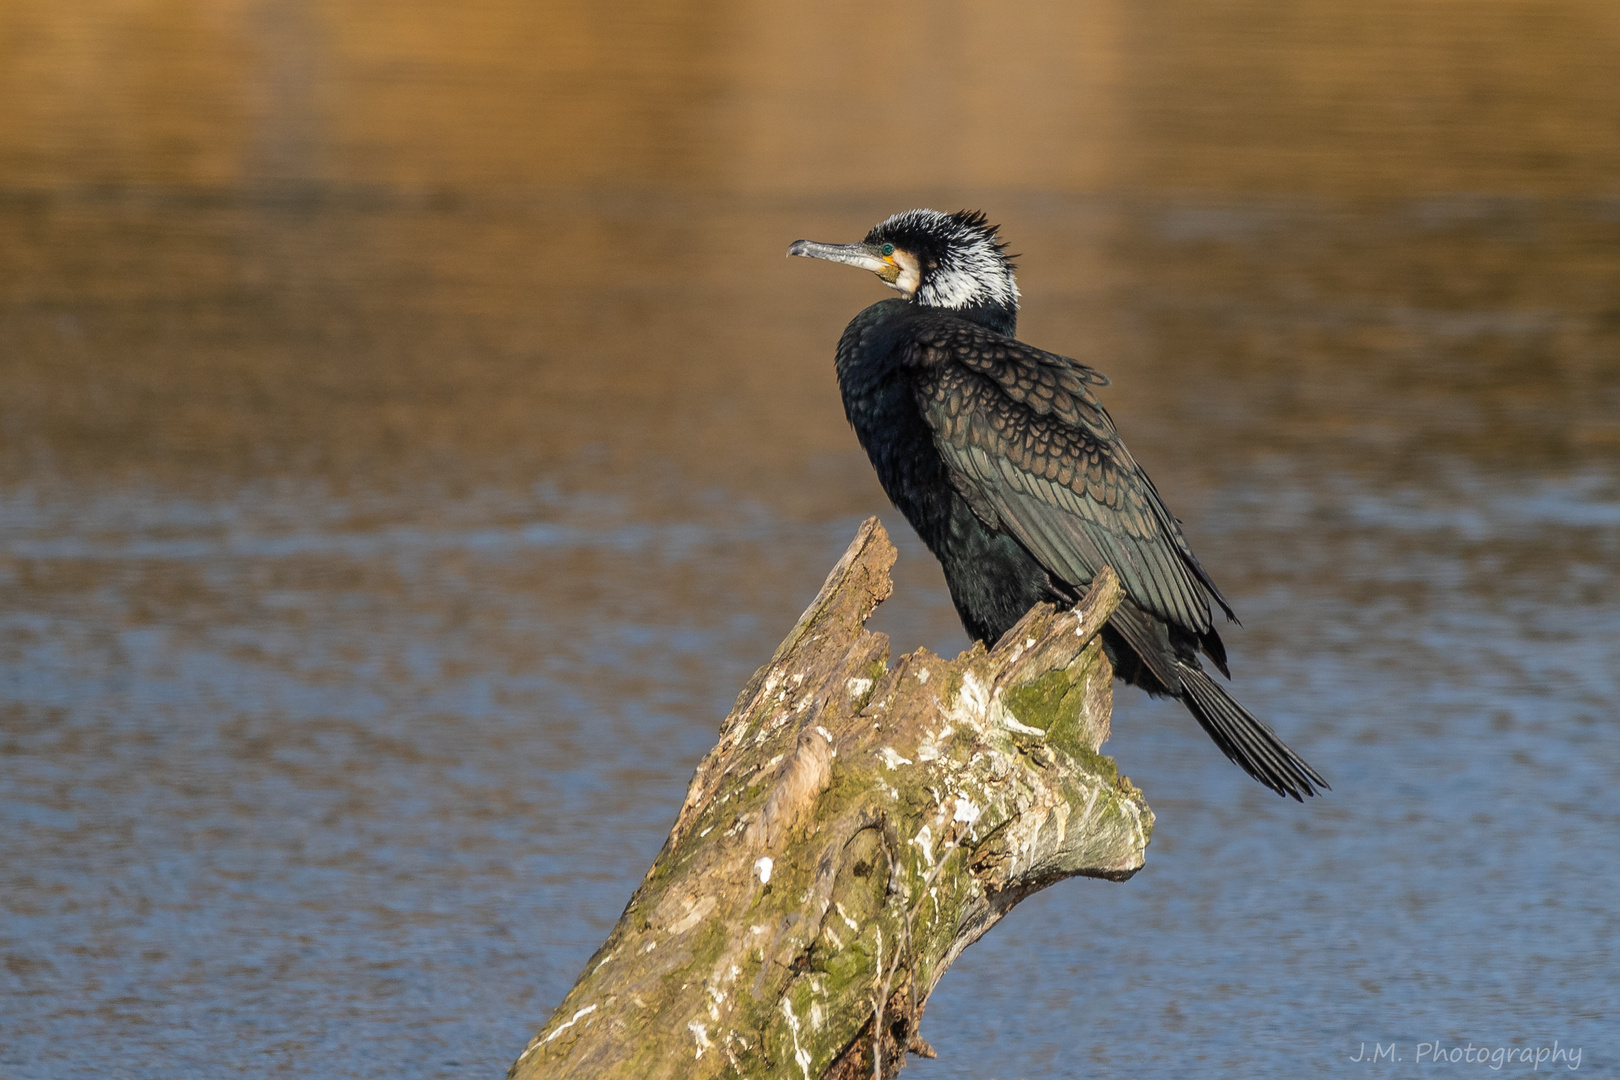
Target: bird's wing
{"x":1024,"y":436}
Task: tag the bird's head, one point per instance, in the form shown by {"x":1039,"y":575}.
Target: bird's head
{"x":952,"y":261}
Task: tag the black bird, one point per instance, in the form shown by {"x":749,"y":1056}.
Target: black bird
{"x":1013,"y":475}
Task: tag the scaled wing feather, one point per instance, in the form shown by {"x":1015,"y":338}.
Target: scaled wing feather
{"x":1023,"y":435}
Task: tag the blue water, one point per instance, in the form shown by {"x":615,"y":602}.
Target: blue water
{"x":266,"y":811}
{"x":267,"y":791}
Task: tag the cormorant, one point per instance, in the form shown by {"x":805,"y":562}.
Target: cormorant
{"x":1014,"y":476}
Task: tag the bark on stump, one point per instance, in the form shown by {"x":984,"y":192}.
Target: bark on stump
{"x":855,"y":828}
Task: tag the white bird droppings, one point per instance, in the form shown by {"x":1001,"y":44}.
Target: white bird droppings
{"x":800,"y":1055}
{"x":700,"y":1034}
{"x":586,"y":1011}
{"x":925,"y":840}
{"x":1011,"y":724}
{"x":892,"y":759}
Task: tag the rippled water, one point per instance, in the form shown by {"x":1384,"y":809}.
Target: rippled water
{"x":411,"y":437}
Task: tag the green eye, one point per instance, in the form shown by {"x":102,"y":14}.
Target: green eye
{"x":888,"y":249}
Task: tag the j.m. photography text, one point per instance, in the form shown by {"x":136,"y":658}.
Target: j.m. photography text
{"x":1492,"y":1057}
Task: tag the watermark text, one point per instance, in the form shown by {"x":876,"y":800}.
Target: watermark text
{"x":1556,"y":1056}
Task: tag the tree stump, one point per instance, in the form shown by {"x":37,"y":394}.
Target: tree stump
{"x":854,"y":829}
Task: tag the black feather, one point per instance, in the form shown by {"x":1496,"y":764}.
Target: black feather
{"x":1245,"y":739}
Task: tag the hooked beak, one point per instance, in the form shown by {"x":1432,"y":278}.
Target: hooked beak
{"x":861,"y":255}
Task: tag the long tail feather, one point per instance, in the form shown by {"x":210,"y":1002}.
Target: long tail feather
{"x":1245,"y":739}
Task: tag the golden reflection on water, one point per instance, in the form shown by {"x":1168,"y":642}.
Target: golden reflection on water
{"x":181,"y":338}
{"x":1388,"y":98}
{"x":378,"y":245}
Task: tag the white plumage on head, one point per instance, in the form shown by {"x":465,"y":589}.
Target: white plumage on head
{"x":963,"y":264}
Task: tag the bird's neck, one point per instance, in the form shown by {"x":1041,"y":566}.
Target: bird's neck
{"x":1002,"y":318}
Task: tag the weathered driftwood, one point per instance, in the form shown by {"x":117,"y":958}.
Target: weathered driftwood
{"x":855,"y":828}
